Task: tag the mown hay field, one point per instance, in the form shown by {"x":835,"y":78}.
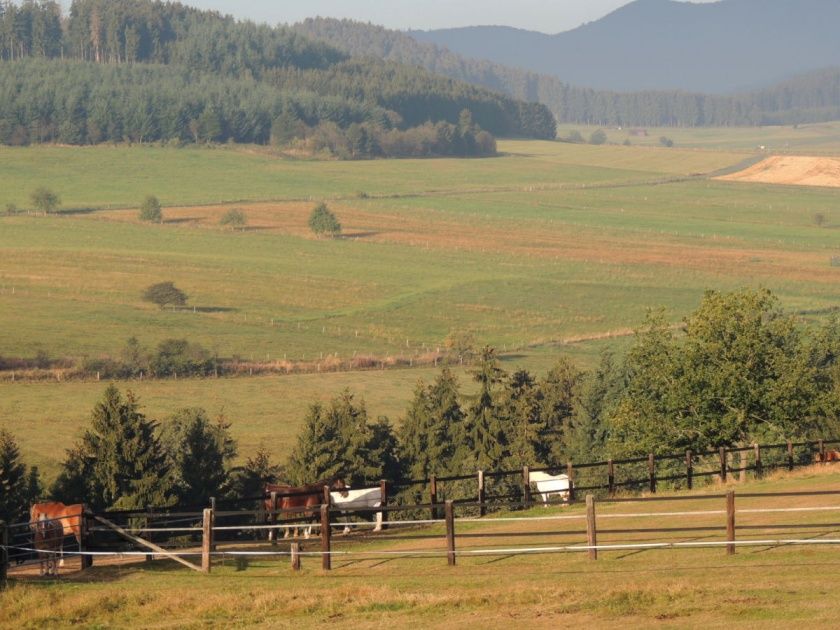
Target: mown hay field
{"x":759,"y":587}
{"x":547,"y":244}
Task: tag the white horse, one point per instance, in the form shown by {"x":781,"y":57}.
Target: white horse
{"x":360,"y":499}
{"x":550,"y":485}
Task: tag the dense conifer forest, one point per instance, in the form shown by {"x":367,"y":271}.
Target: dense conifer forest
{"x":141,"y":71}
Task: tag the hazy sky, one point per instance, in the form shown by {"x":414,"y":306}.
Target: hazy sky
{"x":549,"y":16}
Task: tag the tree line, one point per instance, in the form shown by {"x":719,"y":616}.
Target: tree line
{"x":740,"y":372}
{"x":140,"y":71}
{"x":812,"y":97}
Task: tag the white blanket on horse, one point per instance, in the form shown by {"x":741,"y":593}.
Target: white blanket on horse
{"x":359,"y":499}
{"x":548,"y":485}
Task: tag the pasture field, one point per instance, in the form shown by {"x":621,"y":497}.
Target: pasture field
{"x":759,"y":587}
{"x":547,"y":244}
{"x":808,"y":139}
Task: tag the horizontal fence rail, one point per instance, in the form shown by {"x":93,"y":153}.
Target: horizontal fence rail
{"x":175,"y":531}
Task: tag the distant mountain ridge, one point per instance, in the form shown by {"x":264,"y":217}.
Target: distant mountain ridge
{"x":720,"y":47}
{"x":812,"y":97}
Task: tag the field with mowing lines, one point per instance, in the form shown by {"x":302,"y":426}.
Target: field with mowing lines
{"x":549,"y":243}
{"x":759,"y":587}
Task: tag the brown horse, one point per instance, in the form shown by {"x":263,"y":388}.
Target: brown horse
{"x":297,"y":498}
{"x":828,"y":456}
{"x":69,"y":517}
{"x":49,"y":539}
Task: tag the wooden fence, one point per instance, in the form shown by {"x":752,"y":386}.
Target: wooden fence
{"x":175,"y":532}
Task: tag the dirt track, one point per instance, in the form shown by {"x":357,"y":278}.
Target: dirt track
{"x":792,"y":170}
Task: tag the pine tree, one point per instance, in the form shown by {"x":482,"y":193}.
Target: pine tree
{"x":523,"y":421}
{"x":557,"y":399}
{"x":432,"y":433}
{"x":337,"y":440}
{"x":485,"y":428}
{"x":250,"y":479}
{"x":119,"y":462}
{"x":14,"y":506}
{"x":199,"y":453}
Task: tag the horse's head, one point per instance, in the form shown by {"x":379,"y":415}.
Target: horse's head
{"x":337,"y":483}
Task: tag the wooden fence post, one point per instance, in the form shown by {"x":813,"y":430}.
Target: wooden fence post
{"x":689,"y":470}
{"x":611,"y":477}
{"x":4,"y":554}
{"x":723,"y":464}
{"x":273,"y":533}
{"x":790,"y":455}
{"x":383,"y":499}
{"x":570,"y":473}
{"x":652,"y":473}
{"x":206,"y":540}
{"x":730,"y":521}
{"x":433,"y":495}
{"x":84,"y":541}
{"x":295,"y":556}
{"x":482,"y":508}
{"x":822,"y":451}
{"x":591,"y":529}
{"x":526,"y":486}
{"x":149,"y":521}
{"x":449,"y":513}
{"x":326,"y":534}
{"x":213,"y":507}
{"x":759,"y":467}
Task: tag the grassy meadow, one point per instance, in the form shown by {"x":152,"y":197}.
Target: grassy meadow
{"x":546,"y":245}
{"x":759,"y":587}
{"x":807,"y":139}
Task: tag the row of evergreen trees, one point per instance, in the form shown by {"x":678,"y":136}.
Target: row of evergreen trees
{"x":141,"y":70}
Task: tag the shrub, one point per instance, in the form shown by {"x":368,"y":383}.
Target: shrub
{"x":150,"y":210}
{"x":666,"y":142}
{"x":234,"y":218}
{"x":178,"y":357}
{"x":598,"y":137}
{"x":574,"y":137}
{"x":45,"y":200}
{"x":323,"y":222}
{"x":820,"y":219}
{"x":11,"y":208}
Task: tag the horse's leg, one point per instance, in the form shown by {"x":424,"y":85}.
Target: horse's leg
{"x":378,"y":527}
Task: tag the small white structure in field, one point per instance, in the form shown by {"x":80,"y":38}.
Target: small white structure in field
{"x":360,"y":499}
{"x":550,"y":485}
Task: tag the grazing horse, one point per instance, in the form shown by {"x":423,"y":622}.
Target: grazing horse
{"x":828,"y":456}
{"x":68,"y":516}
{"x":299,"y":497}
{"x":548,"y":485}
{"x":49,"y":539}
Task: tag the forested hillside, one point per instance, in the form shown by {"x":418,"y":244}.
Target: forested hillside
{"x":714,"y":47}
{"x":811,"y":98}
{"x":141,"y":70}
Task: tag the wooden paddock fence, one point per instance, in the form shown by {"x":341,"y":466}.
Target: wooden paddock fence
{"x":195,"y":535}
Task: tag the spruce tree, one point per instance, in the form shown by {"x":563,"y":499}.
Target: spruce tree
{"x":523,"y":422}
{"x":14,"y":505}
{"x":250,"y":479}
{"x":199,"y":453}
{"x":485,"y":429}
{"x":557,"y":400}
{"x":119,"y":462}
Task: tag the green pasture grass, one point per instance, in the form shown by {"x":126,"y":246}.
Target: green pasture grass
{"x":756,"y":588}
{"x":810,"y":139}
{"x":264,"y":411}
{"x":121,"y":176}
